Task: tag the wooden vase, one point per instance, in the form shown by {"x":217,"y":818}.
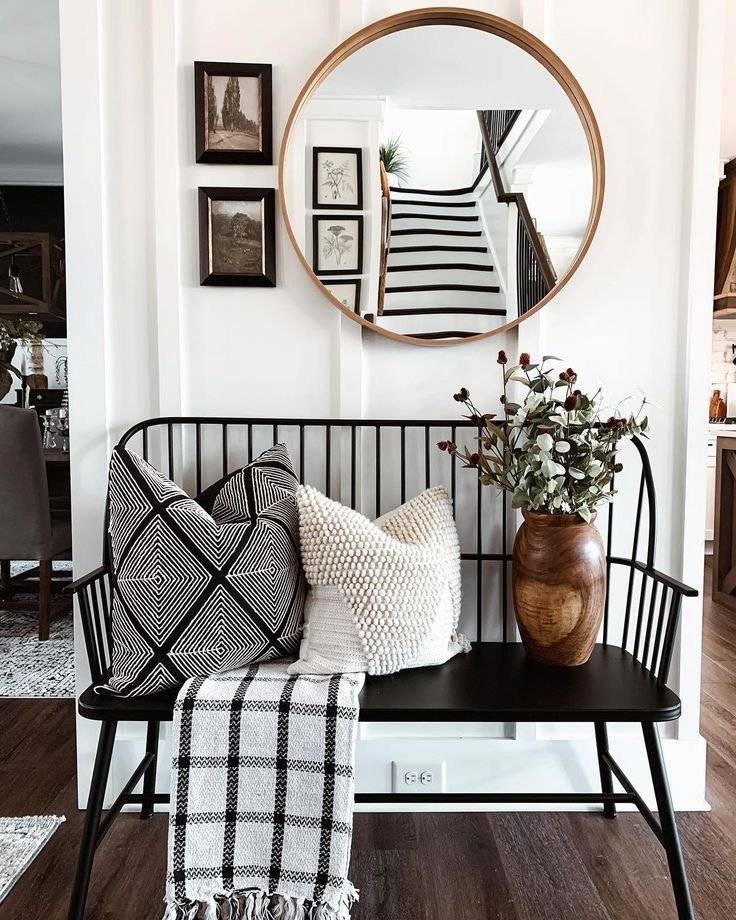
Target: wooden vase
{"x":559,"y":587}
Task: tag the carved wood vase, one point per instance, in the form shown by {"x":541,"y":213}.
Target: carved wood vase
{"x":559,"y":587}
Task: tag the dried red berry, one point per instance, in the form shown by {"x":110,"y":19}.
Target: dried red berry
{"x":571,"y":403}
{"x":502,"y":359}
{"x":463,"y":395}
{"x":524,"y":358}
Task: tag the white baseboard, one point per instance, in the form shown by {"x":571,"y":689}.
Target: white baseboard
{"x":488,"y":765}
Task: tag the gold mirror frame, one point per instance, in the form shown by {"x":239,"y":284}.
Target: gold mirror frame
{"x":487,"y":23}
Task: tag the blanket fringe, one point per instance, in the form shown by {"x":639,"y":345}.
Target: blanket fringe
{"x":254,"y":904}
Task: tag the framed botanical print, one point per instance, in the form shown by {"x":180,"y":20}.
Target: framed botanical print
{"x":337,"y":178}
{"x":346,"y":290}
{"x":337,"y":244}
{"x":237,"y":237}
{"x":232,"y":104}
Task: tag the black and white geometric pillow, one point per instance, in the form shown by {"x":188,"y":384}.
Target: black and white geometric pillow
{"x":201,"y":586}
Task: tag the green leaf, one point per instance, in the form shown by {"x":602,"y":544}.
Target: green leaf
{"x":519,"y":500}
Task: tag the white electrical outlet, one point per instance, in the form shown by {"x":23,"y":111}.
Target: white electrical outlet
{"x":418,"y":777}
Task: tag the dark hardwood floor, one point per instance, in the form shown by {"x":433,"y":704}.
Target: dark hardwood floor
{"x":474,"y":866}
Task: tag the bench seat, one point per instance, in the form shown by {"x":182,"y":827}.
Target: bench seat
{"x":494,"y":682}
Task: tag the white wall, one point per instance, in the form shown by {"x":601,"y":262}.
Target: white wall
{"x":338,"y":123}
{"x":441,"y":146}
{"x":145,"y":338}
{"x":728,"y":123}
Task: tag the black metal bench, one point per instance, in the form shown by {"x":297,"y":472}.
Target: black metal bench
{"x":372,"y":465}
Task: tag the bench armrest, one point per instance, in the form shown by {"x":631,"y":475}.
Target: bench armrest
{"x":87,"y":579}
{"x":677,"y":586}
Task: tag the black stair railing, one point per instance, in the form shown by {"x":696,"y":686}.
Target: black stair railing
{"x":535,"y":274}
{"x":499,"y":123}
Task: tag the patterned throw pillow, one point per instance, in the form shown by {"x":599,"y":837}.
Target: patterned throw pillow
{"x":384,"y":595}
{"x":196,"y":592}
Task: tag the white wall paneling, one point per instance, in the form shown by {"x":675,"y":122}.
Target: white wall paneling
{"x":146,"y":338}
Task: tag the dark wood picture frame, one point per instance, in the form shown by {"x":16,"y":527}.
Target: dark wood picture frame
{"x":357,"y":152}
{"x":356,"y":282}
{"x":266,"y":278}
{"x":263,"y":72}
{"x":317,"y":219}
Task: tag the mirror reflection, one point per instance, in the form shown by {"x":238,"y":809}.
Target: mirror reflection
{"x":439,"y":182}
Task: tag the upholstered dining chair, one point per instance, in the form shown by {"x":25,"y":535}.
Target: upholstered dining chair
{"x":28,"y":527}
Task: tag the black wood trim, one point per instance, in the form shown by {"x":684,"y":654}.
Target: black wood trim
{"x":425,"y":311}
{"x":469,"y":189}
{"x":442,"y":335}
{"x":435,"y":204}
{"x":414,"y":231}
{"x":438,"y":249}
{"x":441,"y":266}
{"x":434,"y":191}
{"x":408,"y":216}
{"x":488,"y":288}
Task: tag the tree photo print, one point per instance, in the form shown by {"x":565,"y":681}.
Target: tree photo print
{"x":233,"y":113}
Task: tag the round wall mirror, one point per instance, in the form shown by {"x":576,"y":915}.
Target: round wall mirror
{"x":441,"y":176}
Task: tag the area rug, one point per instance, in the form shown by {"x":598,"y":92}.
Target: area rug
{"x":29,"y":668}
{"x":21,"y":840}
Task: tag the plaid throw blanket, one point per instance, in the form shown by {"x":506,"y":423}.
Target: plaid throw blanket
{"x":262,"y":796}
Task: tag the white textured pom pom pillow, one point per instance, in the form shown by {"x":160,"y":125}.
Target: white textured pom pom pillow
{"x":384,"y":595}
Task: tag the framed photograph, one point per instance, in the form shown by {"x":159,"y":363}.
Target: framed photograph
{"x":237,"y":236}
{"x":337,"y":177}
{"x":347,"y":291}
{"x":337,"y":244}
{"x":232,"y":105}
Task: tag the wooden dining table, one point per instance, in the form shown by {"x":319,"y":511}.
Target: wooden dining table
{"x":57,"y":475}
{"x":55,"y":456}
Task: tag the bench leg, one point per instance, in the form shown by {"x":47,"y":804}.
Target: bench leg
{"x":149,"y":778}
{"x":601,"y":743}
{"x":670,"y":836}
{"x":88,"y":844}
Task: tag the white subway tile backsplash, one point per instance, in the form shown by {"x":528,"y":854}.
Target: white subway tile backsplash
{"x":723,"y":370}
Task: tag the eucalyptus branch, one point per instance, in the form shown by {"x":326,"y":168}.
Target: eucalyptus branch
{"x":553,"y":453}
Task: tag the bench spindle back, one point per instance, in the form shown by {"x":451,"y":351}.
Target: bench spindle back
{"x":373,"y":465}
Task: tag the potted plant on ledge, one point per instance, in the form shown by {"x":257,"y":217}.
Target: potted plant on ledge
{"x":556,"y":456}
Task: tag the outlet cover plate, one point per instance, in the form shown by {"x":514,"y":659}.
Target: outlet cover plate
{"x":418,"y":776}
